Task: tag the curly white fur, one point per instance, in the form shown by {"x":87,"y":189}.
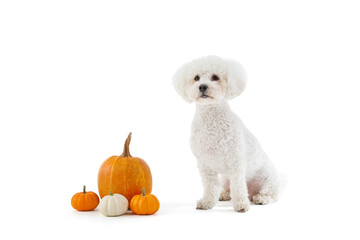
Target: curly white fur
{"x":220,"y":141}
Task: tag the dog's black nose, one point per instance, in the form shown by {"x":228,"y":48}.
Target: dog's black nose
{"x":203,"y":87}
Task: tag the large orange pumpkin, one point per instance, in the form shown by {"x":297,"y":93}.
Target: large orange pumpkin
{"x":124,"y":174}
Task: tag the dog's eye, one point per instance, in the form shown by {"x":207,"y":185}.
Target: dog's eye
{"x":197,"y":78}
{"x":214,"y":78}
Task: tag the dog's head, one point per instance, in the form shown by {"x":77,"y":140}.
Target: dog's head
{"x":210,"y":80}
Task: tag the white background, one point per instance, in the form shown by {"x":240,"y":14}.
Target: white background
{"x":77,"y":76}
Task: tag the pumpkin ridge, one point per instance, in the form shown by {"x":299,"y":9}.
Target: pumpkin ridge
{"x":143,"y":204}
{"x":143,"y":177}
{"x":126,"y":166}
{"x":146,"y":174}
{"x":86,"y":198}
{"x":155,"y":205}
{"x":90,"y":200}
{"x":136,"y":204}
{"x":151,"y":205}
{"x":74,"y":201}
{"x":109,"y":204}
{"x":131,"y":204}
{"x":157,"y":202}
{"x":139,"y":175}
{"x":105,"y":201}
{"x":112,"y":174}
{"x":114,"y":202}
{"x":80,"y":202}
{"x":132,"y":207}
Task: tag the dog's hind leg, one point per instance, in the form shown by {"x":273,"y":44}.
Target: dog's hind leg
{"x":269,"y":190}
{"x":225,"y":189}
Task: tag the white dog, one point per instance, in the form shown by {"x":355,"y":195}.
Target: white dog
{"x":220,"y":141}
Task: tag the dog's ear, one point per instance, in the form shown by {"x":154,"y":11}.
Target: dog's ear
{"x":236,"y":79}
{"x":180,"y":81}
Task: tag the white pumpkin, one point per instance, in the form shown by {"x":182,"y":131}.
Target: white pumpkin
{"x":113,"y":205}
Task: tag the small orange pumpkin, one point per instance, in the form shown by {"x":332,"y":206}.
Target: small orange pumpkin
{"x":144,"y":204}
{"x":85,"y":201}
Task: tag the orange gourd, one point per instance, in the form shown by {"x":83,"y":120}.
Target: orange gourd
{"x":124,"y":174}
{"x":85,"y":201}
{"x":144,"y":204}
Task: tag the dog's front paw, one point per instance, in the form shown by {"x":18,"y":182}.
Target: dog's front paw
{"x":204,"y":204}
{"x":241,"y":205}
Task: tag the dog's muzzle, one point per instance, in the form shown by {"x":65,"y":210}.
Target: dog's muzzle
{"x":203,"y":88}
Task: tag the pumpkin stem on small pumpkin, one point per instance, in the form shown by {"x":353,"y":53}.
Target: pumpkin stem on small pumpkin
{"x":111,"y":193}
{"x":126,"y":152}
{"x":84,"y":189}
{"x":143,"y":192}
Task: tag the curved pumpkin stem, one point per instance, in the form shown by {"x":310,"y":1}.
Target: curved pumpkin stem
{"x":143,"y":191}
{"x":126,"y":152}
{"x":84,"y":189}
